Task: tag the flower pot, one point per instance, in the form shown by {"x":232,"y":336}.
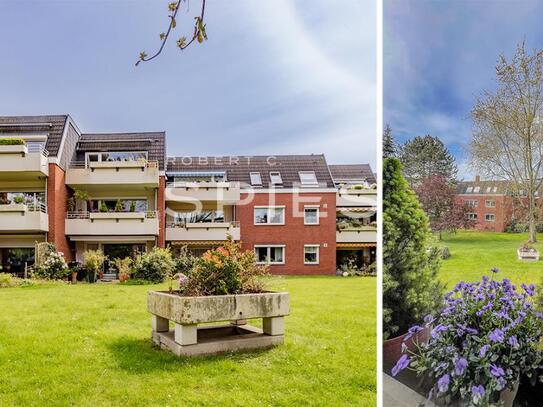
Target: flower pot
{"x":74,"y":277}
{"x":123,"y":277}
{"x":507,"y":396}
{"x":392,"y":348}
{"x":91,"y":276}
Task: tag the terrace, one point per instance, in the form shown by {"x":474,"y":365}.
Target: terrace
{"x":23,"y":161}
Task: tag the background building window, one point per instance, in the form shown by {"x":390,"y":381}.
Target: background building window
{"x":311,"y":216}
{"x":269,"y":216}
{"x":270,"y":254}
{"x":308,"y":178}
{"x":311,"y":254}
{"x":489,"y":217}
{"x":490,"y":204}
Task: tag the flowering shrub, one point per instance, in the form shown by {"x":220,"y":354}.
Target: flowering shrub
{"x":155,"y":265}
{"x":53,"y":267}
{"x":225,"y":270}
{"x":482,"y":341}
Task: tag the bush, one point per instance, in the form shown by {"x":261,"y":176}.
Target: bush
{"x":225,"y":270}
{"x":411,"y":289}
{"x":54,"y":267}
{"x":184,"y":262}
{"x":11,"y":142}
{"x":94,"y":260}
{"x":7,"y":280}
{"x":155,"y":265}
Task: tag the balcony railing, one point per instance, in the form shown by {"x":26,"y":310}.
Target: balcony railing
{"x":188,"y":225}
{"x":112,"y":223}
{"x":115,"y":164}
{"x":87,"y":214}
{"x":202,"y":231}
{"x":37,"y":148}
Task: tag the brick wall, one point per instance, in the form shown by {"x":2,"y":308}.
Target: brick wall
{"x":502,"y":212}
{"x":57,"y":194}
{"x":293,"y":234}
{"x":161,"y":208}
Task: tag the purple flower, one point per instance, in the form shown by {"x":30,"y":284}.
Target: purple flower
{"x":501,"y":384}
{"x":483,"y":351}
{"x":496,"y":335}
{"x":494,"y":269}
{"x":401,"y":364}
{"x":496,"y":371}
{"x":413,"y":330}
{"x":443,"y":383}
{"x":437,"y":330}
{"x":513,"y":342}
{"x":478,"y":392}
{"x":428,"y":319}
{"x":460,"y":366}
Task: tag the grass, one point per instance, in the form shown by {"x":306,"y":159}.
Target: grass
{"x":88,"y":345}
{"x":473,"y":254}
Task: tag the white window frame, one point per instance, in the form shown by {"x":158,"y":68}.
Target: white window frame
{"x":277,"y":174}
{"x":476,"y":190}
{"x":269,"y":217}
{"x":318,"y":246}
{"x":469,"y":190}
{"x":472,"y":203}
{"x":490,"y":220}
{"x":255,"y":173}
{"x":306,"y":207}
{"x":471,"y":215}
{"x":310,"y":184}
{"x":487,"y":203}
{"x":269,"y":246}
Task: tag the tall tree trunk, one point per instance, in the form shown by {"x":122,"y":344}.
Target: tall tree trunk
{"x":531,"y":220}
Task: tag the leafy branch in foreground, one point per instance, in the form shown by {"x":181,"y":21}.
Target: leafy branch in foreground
{"x":199,"y":34}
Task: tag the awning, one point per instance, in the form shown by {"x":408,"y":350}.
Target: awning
{"x":354,"y":245}
{"x":357,"y":209}
{"x":197,"y":243}
{"x":196,"y":173}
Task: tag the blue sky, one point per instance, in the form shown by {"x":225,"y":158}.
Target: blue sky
{"x":274,"y":77}
{"x":439,"y":55}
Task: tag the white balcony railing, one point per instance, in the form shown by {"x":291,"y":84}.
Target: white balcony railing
{"x":192,"y":192}
{"x":133,"y":172}
{"x":24,"y":160}
{"x":112,"y":223}
{"x":202,"y":231}
{"x":21,"y":217}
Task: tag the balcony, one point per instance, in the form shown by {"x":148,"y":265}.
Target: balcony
{"x":193,"y":192}
{"x":126,"y":173}
{"x":22,"y":162}
{"x":23,"y":218}
{"x":112,"y":223}
{"x":360,"y":234}
{"x":356,"y":197}
{"x":202,"y":231}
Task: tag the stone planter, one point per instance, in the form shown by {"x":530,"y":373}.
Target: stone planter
{"x":528,"y":255}
{"x":14,"y":149}
{"x":392,"y":348}
{"x":187,"y":339}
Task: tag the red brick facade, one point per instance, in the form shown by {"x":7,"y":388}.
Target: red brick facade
{"x":57,"y":195}
{"x":293,"y":234}
{"x":482,"y":205}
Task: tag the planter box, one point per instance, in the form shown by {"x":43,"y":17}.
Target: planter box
{"x":186,"y":339}
{"x":117,"y":215}
{"x":13,"y":208}
{"x":529,"y":256}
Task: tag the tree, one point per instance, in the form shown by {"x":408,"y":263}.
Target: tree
{"x":410,"y":286}
{"x":445,"y":212}
{"x":390,"y":149}
{"x":199,"y":33}
{"x":507,"y":139}
{"x":426,"y":156}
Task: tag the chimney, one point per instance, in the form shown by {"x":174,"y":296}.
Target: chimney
{"x":477,"y":178}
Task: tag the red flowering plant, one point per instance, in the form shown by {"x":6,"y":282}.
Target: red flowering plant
{"x":225,"y":270}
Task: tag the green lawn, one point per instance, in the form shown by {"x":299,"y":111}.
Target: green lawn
{"x":88,"y":345}
{"x":475,"y":253}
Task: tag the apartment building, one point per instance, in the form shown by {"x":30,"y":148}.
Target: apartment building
{"x":490,"y":203}
{"x":118,"y":192}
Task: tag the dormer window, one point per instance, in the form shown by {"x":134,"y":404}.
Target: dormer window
{"x":308,"y":178}
{"x":469,"y":190}
{"x":476,"y":190}
{"x":256,"y":179}
{"x":275,"y":178}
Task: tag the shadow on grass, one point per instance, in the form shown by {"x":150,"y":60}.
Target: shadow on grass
{"x":140,"y":356}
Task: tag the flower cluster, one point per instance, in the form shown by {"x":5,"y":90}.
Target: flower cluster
{"x":485,"y":337}
{"x":54,"y":267}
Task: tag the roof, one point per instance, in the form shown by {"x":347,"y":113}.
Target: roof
{"x":237,"y":168}
{"x":52,"y":126}
{"x":497,"y":187}
{"x":152,"y":142}
{"x":354,"y":172}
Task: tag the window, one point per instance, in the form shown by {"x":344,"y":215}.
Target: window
{"x":489,"y":217}
{"x":471,"y":216}
{"x":256,"y":179}
{"x":472,"y":203}
{"x":275,"y":178}
{"x":308,"y":178}
{"x":488,"y":189}
{"x":114,"y":156}
{"x":274,"y":215}
{"x":490,"y":203}
{"x":476,"y":189}
{"x":495,"y":189}
{"x":270,"y":254}
{"x":311,"y":215}
{"x":469,"y":190}
{"x":311,"y":254}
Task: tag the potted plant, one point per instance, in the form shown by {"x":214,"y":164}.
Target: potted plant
{"x":80,"y":197}
{"x":19,"y":199}
{"x":411,"y":289}
{"x":484,"y":339}
{"x":123,"y":268}
{"x":132,"y":206}
{"x":527,"y":252}
{"x":225,"y":284}
{"x":103,"y":207}
{"x":93,"y":260}
{"x":119,"y":206}
{"x":74,"y":268}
